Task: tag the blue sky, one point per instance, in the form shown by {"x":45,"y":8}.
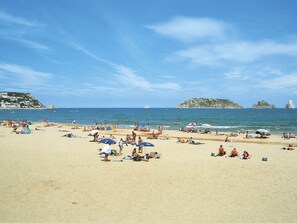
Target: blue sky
{"x":130,"y":53}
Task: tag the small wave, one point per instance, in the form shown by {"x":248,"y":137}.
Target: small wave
{"x":226,"y":127}
{"x":219,"y":127}
{"x":126,"y":126}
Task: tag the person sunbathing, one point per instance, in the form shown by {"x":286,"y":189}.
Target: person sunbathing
{"x":222,"y":151}
{"x":233,"y":153}
{"x":182,"y":140}
{"x":112,"y":137}
{"x":191,"y":141}
{"x":227,"y":139}
{"x":245,"y":155}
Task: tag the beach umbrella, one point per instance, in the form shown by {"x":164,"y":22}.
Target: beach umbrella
{"x":107,"y":140}
{"x":263,"y":132}
{"x":145,"y":144}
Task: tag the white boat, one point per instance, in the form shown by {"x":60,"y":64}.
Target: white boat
{"x":147,"y":106}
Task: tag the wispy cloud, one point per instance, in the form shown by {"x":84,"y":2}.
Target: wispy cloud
{"x":90,"y":54}
{"x":188,"y":29}
{"x":23,"y":75}
{"x":131,"y":78}
{"x":240,"y":52}
{"x":27,"y":43}
{"x":127,"y":76}
{"x":285,"y":82}
{"x":5,"y":17}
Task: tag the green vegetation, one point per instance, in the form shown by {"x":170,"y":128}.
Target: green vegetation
{"x":208,"y":103}
{"x":263,"y":104}
{"x":18,"y":100}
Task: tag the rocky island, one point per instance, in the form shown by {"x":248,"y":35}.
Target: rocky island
{"x":290,"y":105}
{"x":16,"y":100}
{"x":263,"y":104}
{"x":208,"y":103}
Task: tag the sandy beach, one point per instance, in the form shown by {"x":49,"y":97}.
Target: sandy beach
{"x":49,"y":178}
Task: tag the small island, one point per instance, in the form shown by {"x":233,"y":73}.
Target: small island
{"x":208,"y":103}
{"x":263,"y":105}
{"x":16,"y":100}
{"x":290,"y":105}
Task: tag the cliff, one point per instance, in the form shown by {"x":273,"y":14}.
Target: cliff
{"x":15,"y":100}
{"x":263,"y":104}
{"x":208,"y":103}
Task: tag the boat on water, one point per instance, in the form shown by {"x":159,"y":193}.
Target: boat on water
{"x":146,"y":106}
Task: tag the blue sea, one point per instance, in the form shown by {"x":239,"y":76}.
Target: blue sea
{"x":276,"y":120}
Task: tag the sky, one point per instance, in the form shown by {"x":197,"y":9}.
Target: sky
{"x":132,"y":53}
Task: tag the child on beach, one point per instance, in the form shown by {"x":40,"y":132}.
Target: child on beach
{"x":245,"y":155}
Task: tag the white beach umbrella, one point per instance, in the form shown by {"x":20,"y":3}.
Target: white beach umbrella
{"x":263,"y":132}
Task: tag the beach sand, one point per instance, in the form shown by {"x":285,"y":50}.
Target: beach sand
{"x":48,"y":178}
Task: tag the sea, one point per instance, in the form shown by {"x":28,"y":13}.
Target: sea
{"x":277,"y":121}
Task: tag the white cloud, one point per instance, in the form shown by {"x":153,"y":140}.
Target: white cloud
{"x":129,"y":77}
{"x":92,"y":55}
{"x":190,"y":29}
{"x":28,"y":43}
{"x":24,"y":75}
{"x":281,"y":83}
{"x":240,"y":52}
{"x":5,"y":17}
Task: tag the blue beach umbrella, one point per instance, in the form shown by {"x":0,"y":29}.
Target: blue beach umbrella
{"x":146,"y":144}
{"x":107,"y":140}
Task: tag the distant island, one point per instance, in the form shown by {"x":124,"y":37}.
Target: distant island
{"x":208,"y":103}
{"x":290,"y":105}
{"x":16,"y":100}
{"x":263,"y":104}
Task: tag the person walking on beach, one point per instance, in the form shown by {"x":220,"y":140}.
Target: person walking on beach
{"x":121,"y":145}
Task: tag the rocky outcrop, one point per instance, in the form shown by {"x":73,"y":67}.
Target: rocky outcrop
{"x":15,"y":100}
{"x":50,"y":106}
{"x":290,"y":104}
{"x":208,"y":103}
{"x":263,"y":104}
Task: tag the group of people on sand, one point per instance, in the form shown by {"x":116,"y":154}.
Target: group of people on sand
{"x":135,"y":156}
{"x":233,"y":153}
{"x":193,"y":130}
{"x":189,"y":141}
{"x":289,"y":135}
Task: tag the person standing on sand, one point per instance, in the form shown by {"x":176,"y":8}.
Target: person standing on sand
{"x":121,"y":145}
{"x":133,"y":136}
{"x":140,"y":148}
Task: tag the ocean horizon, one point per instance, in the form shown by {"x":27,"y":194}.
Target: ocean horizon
{"x":223,"y":120}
